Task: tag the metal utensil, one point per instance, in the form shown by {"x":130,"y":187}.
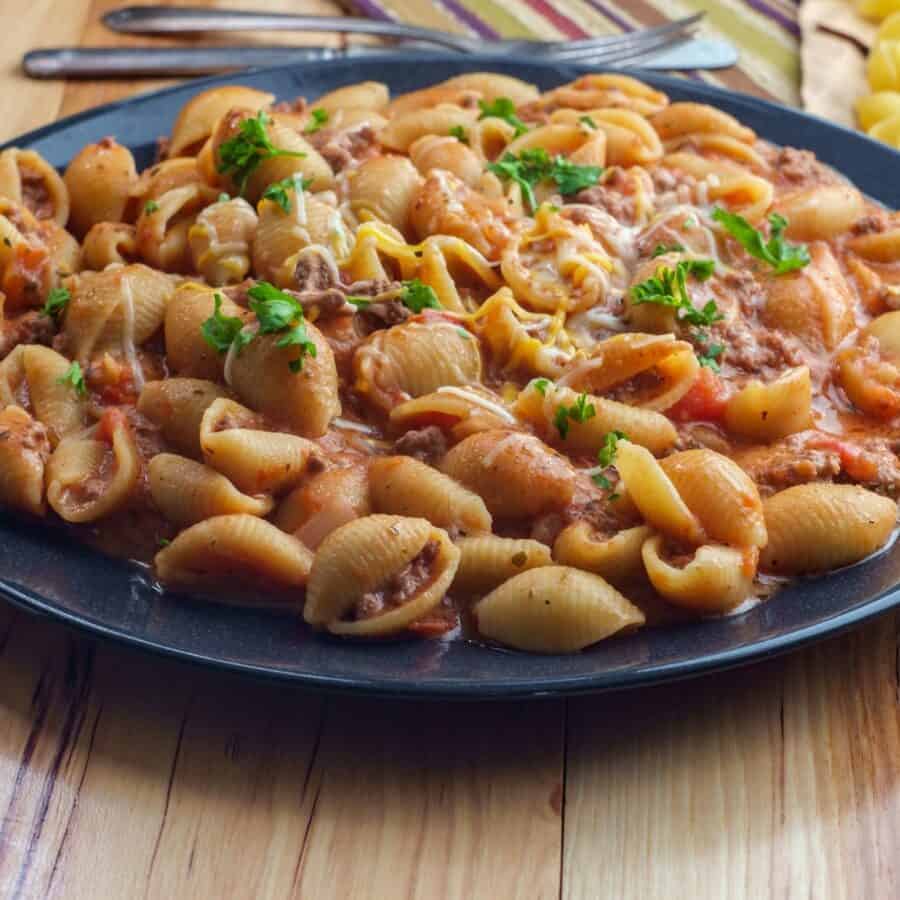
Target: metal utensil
{"x":121,"y":62}
{"x":191,"y":20}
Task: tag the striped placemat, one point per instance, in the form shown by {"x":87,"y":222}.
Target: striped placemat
{"x":765,"y":31}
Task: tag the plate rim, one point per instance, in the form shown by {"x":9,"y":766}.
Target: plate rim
{"x":456,"y":688}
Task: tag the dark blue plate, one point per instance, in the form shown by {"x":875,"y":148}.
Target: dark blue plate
{"x":44,"y":571}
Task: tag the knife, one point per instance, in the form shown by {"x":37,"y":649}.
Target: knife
{"x":121,"y":62}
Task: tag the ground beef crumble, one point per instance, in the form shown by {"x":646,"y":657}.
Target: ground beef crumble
{"x":426,"y":444}
{"x":401,"y":587}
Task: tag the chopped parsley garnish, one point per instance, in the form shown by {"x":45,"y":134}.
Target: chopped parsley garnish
{"x":223,"y":198}
{"x":541,"y":385}
{"x":221,"y":331}
{"x":777,"y":252}
{"x":463,"y":333}
{"x":277,"y":192}
{"x":502,"y":108}
{"x":606,"y":457}
{"x":689,"y":223}
{"x":587,"y":120}
{"x":459,"y":133}
{"x":74,"y":378}
{"x":279,"y":313}
{"x":317,"y":118}
{"x":660,"y":249}
{"x":163,"y":543}
{"x":359,"y":302}
{"x":151,"y":206}
{"x":669,"y":288}
{"x":580,"y":411}
{"x":241,"y":155}
{"x":711,"y":356}
{"x":57,"y":300}
{"x":535,"y":165}
{"x":416,"y":295}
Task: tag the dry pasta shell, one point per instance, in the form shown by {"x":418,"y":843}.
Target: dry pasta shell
{"x":554,"y":609}
{"x":816,"y":527}
{"x":404,"y":486}
{"x":486,"y":561}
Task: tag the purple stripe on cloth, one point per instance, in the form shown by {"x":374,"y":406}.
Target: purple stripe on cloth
{"x":610,"y":14}
{"x":370,"y":9}
{"x":770,"y":12}
{"x":479,"y":26}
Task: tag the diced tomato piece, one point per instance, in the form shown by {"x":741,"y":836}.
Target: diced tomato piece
{"x":859,"y":464}
{"x":435,"y":624}
{"x":705,"y":401}
{"x":113,"y":417}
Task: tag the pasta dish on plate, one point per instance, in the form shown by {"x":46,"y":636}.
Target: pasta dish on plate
{"x":534,"y":368}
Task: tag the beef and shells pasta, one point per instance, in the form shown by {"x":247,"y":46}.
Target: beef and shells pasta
{"x":523,"y":367}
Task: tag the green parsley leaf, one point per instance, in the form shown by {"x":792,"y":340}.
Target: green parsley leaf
{"x":502,"y":108}
{"x":580,"y":411}
{"x":74,"y":378}
{"x":669,"y":288}
{"x":459,"y":133}
{"x":241,"y":155}
{"x":416,"y":295}
{"x":660,"y":249}
{"x":777,"y":252}
{"x":463,"y":333}
{"x":223,"y":198}
{"x":277,"y":192}
{"x":57,"y":300}
{"x":220,"y":331}
{"x":541,"y":385}
{"x":606,"y":455}
{"x":318,"y":117}
{"x":298,"y":336}
{"x":587,"y":120}
{"x":164,"y":542}
{"x":358,"y":302}
{"x":279,"y":313}
{"x":711,"y":357}
{"x":689,"y":223}
{"x":151,"y":206}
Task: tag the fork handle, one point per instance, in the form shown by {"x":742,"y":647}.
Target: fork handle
{"x":192,"y":19}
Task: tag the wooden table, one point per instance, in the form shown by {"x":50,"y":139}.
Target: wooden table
{"x":123,"y":775}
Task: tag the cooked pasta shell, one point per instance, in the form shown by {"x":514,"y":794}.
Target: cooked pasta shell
{"x":186,"y":492}
{"x":27,"y":178}
{"x":486,"y":561}
{"x":404,"y":486}
{"x":199,"y":115}
{"x":554,"y":609}
{"x":220,"y":241}
{"x":821,"y":212}
{"x":691,"y":118}
{"x":643,"y":426}
{"x":24,"y":450}
{"x":464,"y":410}
{"x":655,"y":496}
{"x":90,"y":477}
{"x":166,"y":176}
{"x":720,"y":494}
{"x":364,"y":95}
{"x":405,"y":128}
{"x":628,"y":138}
{"x":383,"y":188}
{"x":99,"y":181}
{"x":378,"y":574}
{"x":516,"y":474}
{"x":714,"y":579}
{"x":239,"y":559}
{"x":323,"y":503}
{"x":256,"y":461}
{"x":415,"y":359}
{"x":766,"y":412}
{"x":877,"y":246}
{"x":869,"y":372}
{"x":109,"y":243}
{"x":13,"y":385}
{"x":436,"y":151}
{"x":493,"y":85}
{"x":177,"y":406}
{"x":55,"y":403}
{"x":603,"y":91}
{"x":615,"y":557}
{"x":306,"y":400}
{"x":187,"y":353}
{"x":819,"y":526}
{"x":579,"y":145}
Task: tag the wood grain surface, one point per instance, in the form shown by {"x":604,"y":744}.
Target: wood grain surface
{"x":123,"y":775}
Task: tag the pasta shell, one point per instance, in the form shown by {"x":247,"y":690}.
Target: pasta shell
{"x":691,"y":118}
{"x":27,"y":178}
{"x":714,"y":579}
{"x":166,"y":176}
{"x":464,"y":410}
{"x":433,"y":151}
{"x":365,"y":558}
{"x":493,"y":85}
{"x":177,"y":406}
{"x":323,"y":503}
{"x":405,"y":128}
{"x":186,"y":492}
{"x":108,"y":243}
{"x":404,"y":486}
{"x":99,"y":180}
{"x":220,"y":241}
{"x":869,"y":373}
{"x":237,"y":558}
{"x":486,"y":561}
{"x":554,"y":609}
{"x":767,"y":412}
{"x":822,"y":212}
{"x":24,"y":450}
{"x":628,"y":139}
{"x":720,"y":494}
{"x":816,"y":527}
{"x":878,"y":246}
{"x":187,"y":353}
{"x":258,"y":462}
{"x":615,"y":557}
{"x":580,"y":146}
{"x":603,"y":91}
{"x":383,"y":188}
{"x":365,"y":95}
{"x":516,"y":474}
{"x":55,"y":404}
{"x":415,"y":359}
{"x":89,"y":478}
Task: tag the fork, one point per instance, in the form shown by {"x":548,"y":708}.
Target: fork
{"x":192,"y":19}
